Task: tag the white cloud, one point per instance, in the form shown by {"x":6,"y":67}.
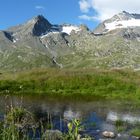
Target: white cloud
{"x":107,"y":8}
{"x":39,"y":7}
{"x":84,"y":6}
{"x":86,"y":17}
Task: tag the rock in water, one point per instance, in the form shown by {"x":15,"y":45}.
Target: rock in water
{"x":52,"y":135}
{"x":108,"y":134}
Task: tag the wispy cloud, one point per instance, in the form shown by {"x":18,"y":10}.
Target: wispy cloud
{"x":84,"y":6}
{"x":86,"y":17}
{"x":107,"y":8}
{"x":39,"y":7}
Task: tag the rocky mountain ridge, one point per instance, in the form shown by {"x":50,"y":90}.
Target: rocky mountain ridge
{"x":121,"y":20}
{"x":115,"y":43}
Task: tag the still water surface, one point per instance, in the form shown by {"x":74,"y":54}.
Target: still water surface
{"x":96,"y":116}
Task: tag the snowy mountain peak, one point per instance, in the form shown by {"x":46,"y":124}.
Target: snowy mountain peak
{"x":39,"y":25}
{"x":120,"y":20}
{"x":121,"y":16}
{"x":38,"y":19}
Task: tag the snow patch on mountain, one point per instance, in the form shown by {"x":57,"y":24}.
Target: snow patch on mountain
{"x":122,"y":24}
{"x":14,"y":41}
{"x":61,"y":29}
{"x":48,"y":34}
{"x":69,"y":29}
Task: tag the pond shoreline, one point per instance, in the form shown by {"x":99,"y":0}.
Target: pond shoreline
{"x":96,"y":116}
{"x":103,"y":98}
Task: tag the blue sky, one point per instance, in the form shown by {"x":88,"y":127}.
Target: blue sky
{"x":89,"y":12}
{"x":13,"y":12}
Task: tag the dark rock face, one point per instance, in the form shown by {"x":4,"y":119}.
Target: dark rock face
{"x":8,"y":35}
{"x":136,"y":16}
{"x":41,"y":26}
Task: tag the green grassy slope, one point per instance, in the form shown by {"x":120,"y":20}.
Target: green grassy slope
{"x":90,"y":83}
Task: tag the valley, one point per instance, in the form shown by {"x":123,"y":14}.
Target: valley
{"x":67,"y":82}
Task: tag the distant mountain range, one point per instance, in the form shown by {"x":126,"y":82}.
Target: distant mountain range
{"x":115,"y":43}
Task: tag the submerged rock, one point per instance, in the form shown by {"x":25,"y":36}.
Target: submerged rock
{"x":108,"y":134}
{"x":137,"y":138}
{"x":52,"y":135}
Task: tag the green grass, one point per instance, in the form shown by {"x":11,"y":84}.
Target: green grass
{"x":89,"y":83}
{"x":120,"y":125}
{"x":16,"y":124}
{"x":20,"y":124}
{"x":136,"y":132}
